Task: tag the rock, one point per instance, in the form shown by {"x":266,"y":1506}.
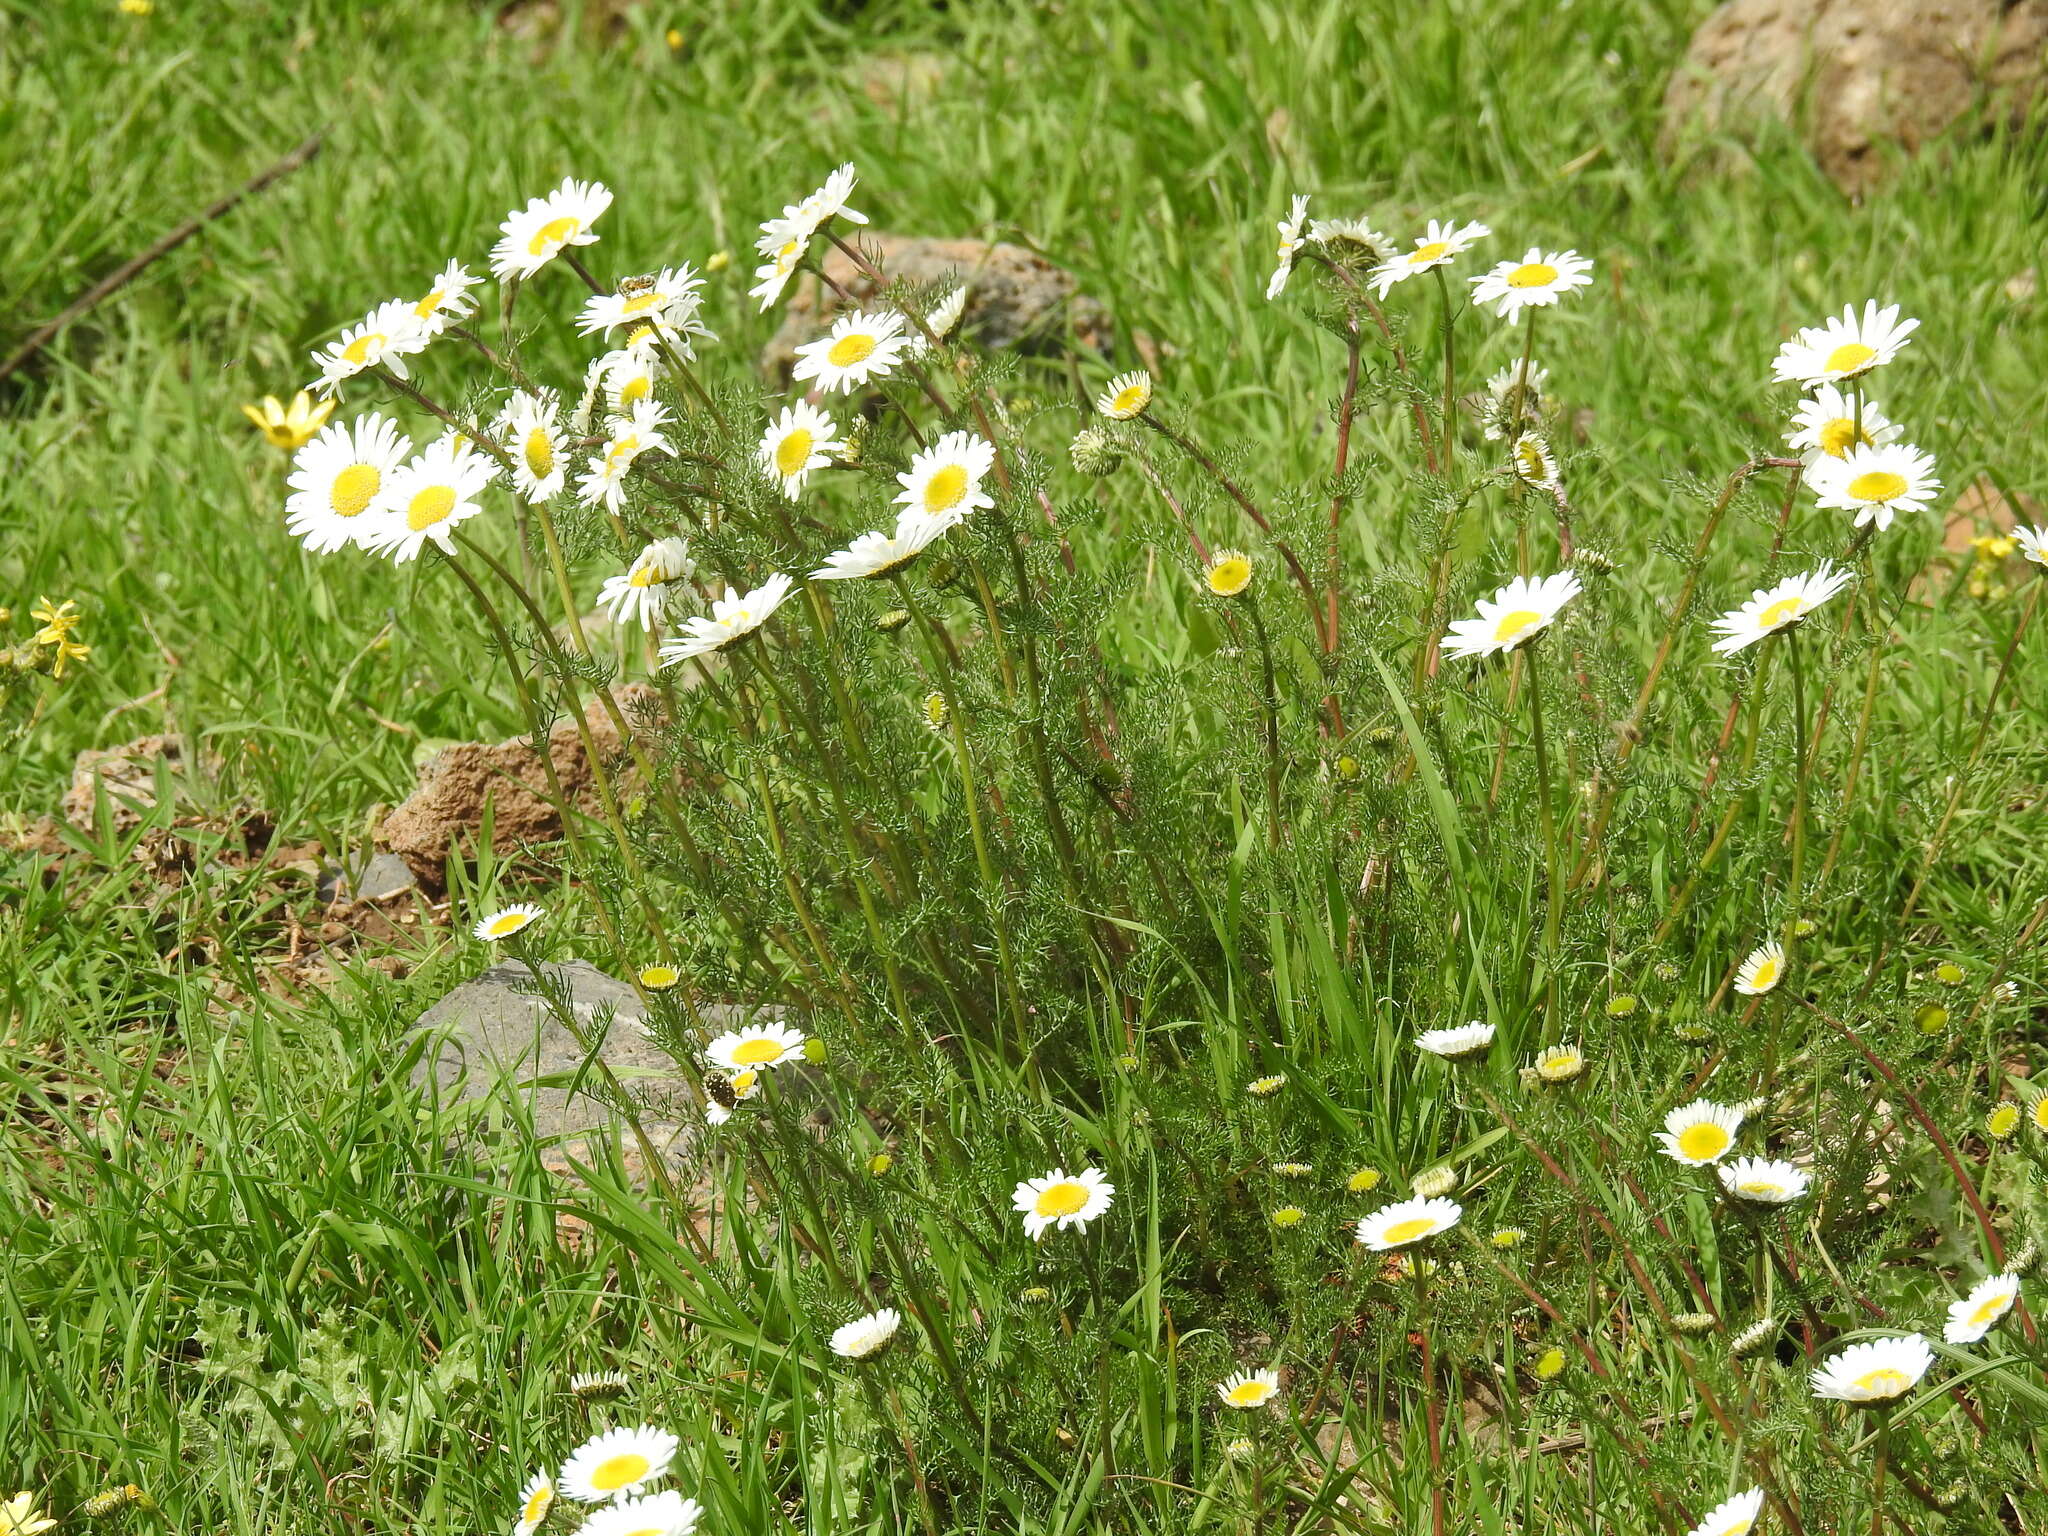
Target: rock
{"x":384,"y":876}
{"x":128,"y":773}
{"x":1858,"y":74}
{"x":445,"y":812}
{"x":1015,"y":297}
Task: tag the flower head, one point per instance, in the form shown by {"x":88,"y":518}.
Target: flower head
{"x":1266,"y":1087}
{"x":1539,"y":279}
{"x":1228,"y":572}
{"x":632,"y":437}
{"x":759,"y":1045}
{"x":944,"y":480}
{"x":666,"y":1513}
{"x":20,"y":1517}
{"x":1779,"y":607}
{"x":1733,"y":1517}
{"x":427,"y":498}
{"x":1559,"y":1063}
{"x":1763,"y":970}
{"x":1057,"y":1200}
{"x":506,"y":921}
{"x":1438,"y":244}
{"x":447,"y":299}
{"x":535,"y":1500}
{"x":1514,"y":398}
{"x":1351,"y":240}
{"x":2033,"y":543}
{"x":1877,"y":1371}
{"x":1828,"y":424}
{"x":1844,"y":348}
{"x":1465,"y":1040}
{"x":868,"y":1336}
{"x":642,"y":595}
{"x":1408,"y":1221}
{"x":1701,"y":1132}
{"x":1764,"y":1181}
{"x":1876,"y":483}
{"x":1249,"y":1389}
{"x":859,"y":347}
{"x":1127,"y":395}
{"x":796,"y":442}
{"x":384,"y":338}
{"x":338,"y":477}
{"x":873,"y":556}
{"x":598,"y":1386}
{"x":613,"y":1464}
{"x":1519,"y":612}
{"x":528,"y":428}
{"x":1290,"y":242}
{"x":733,"y":617}
{"x":290,"y":429}
{"x":1982,"y":1310}
{"x":536,"y":234}
{"x":666,"y":300}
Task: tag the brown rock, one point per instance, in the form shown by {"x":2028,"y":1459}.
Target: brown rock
{"x":445,"y":813}
{"x":1858,"y":74}
{"x":1015,"y":297}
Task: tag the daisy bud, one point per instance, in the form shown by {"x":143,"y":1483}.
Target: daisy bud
{"x":1035,"y":1296}
{"x":2027,"y":1257}
{"x":880,"y":1164}
{"x":1095,"y":453}
{"x":1692,"y":1324}
{"x":888,"y":623}
{"x":1594,"y":560}
{"x":1550,"y":1364}
{"x":2006,"y":992}
{"x":1620,"y":1007}
{"x":1347,"y":770}
{"x":1753,"y":1338}
{"x":1664,"y":970}
{"x":1505,"y":1238}
{"x":1292,"y":1170}
{"x":1930,"y":1018}
{"x":936,"y":713}
{"x":1228,"y":573}
{"x":1266,"y":1087}
{"x":1432,"y":1182}
{"x":598,"y":1386}
{"x":1949,"y":974}
{"x":814,"y":1050}
{"x":2003,"y":1120}
{"x":1364,"y":1181}
{"x":1289,"y":1216}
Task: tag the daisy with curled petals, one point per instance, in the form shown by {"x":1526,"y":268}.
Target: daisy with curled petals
{"x":642,"y":595}
{"x":784,"y":248}
{"x":540,"y":463}
{"x":1700,"y":1133}
{"x":427,"y":498}
{"x":1876,"y":483}
{"x":1519,"y":612}
{"x":637,"y":434}
{"x":798,"y":441}
{"x":1735,"y":1517}
{"x":1249,"y":1389}
{"x":642,"y":301}
{"x":535,"y":1499}
{"x":1465,"y":1040}
{"x":382,"y":339}
{"x":875,"y":555}
{"x":1514,"y":396}
{"x":733,"y":618}
{"x":1290,"y":242}
{"x":1350,"y":239}
{"x":447,"y":300}
{"x":19,"y":1517}
{"x":1845,"y":348}
{"x":338,"y":477}
{"x":947,"y":312}
{"x":1829,"y":424}
{"x":804,"y":219}
{"x":1055,"y":1200}
{"x":1763,"y":970}
{"x":1763,"y":1181}
{"x":868,"y":1336}
{"x":666,"y":1513}
{"x":1408,"y":1221}
{"x":1982,"y":1310}
{"x":858,"y":348}
{"x":1779,"y":607}
{"x":507,"y":921}
{"x":944,"y":481}
{"x":1435,"y":247}
{"x":2033,"y":543}
{"x":1538,"y":280}
{"x":613,"y":1464}
{"x":758,"y":1045}
{"x":538,"y":233}
{"x":289,"y":429}
{"x":1877,"y":1371}
{"x":1127,"y":396}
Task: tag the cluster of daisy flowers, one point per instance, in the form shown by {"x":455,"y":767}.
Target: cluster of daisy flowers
{"x":616,"y":1472}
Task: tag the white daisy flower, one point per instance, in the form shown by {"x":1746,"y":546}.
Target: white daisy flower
{"x":1465,"y":1040}
{"x":1779,"y":607}
{"x":1826,"y":424}
{"x":650,"y":301}
{"x":1763,"y":970}
{"x":875,"y":555}
{"x":1439,"y":244}
{"x":1876,"y":1371}
{"x":866,"y":1336}
{"x":2033,"y":543}
{"x":1055,"y":1200}
{"x":1876,"y":483}
{"x":428,"y":498}
{"x":1351,"y":236}
{"x":944,"y":481}
{"x":1408,"y":1221}
{"x":1249,"y":1389}
{"x":1127,"y":396}
{"x":1519,"y":611}
{"x":1982,"y":1310}
{"x":741,"y":1086}
{"x":448,"y":300}
{"x":613,"y":1464}
{"x":784,"y":248}
{"x":382,"y":339}
{"x":1844,"y":348}
{"x":946,"y":313}
{"x":1290,"y":242}
{"x":535,"y":1500}
{"x":758,"y":1045}
{"x":537,"y":234}
{"x":798,"y":441}
{"x":1533,"y":463}
{"x":666,"y":1513}
{"x":507,"y":921}
{"x":627,"y":379}
{"x":1700,"y":1133}
{"x":540,"y":462}
{"x":858,"y":348}
{"x":828,"y":202}
{"x":1502,"y":414}
{"x":1734,"y":1517}
{"x":1538,"y":280}
{"x":637,"y":434}
{"x":1766,"y":1181}
{"x":733,"y":618}
{"x":337,"y":478}
{"x":643,"y":594}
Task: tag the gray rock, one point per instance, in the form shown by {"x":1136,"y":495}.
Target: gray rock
{"x":384,"y":876}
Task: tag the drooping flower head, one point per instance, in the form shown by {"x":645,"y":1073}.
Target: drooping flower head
{"x":1779,"y":607}
{"x":1290,"y":242}
{"x":733,"y":617}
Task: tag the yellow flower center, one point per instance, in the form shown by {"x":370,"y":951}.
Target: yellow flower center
{"x":353,"y":488}
{"x":620,"y":1471}
{"x":743,"y":1082}
{"x":620,"y":454}
{"x":848,"y":350}
{"x":1849,"y":357}
{"x":1877,"y":485}
{"x":1766,"y":975}
{"x":429,"y":507}
{"x":1429,"y":252}
{"x":793,"y":452}
{"x":652,"y":1530}
{"x":1535,"y":464}
{"x":1409,"y":1230}
{"x":1758,"y":1187}
{"x":1512,"y":626}
{"x":1062,"y":1199}
{"x":660,"y":976}
{"x":944,"y":490}
{"x":640,"y":303}
{"x":358,"y":351}
{"x":1230,"y":575}
{"x":1703,"y":1142}
{"x":1840,"y":435}
{"x":1990,"y":1311}
{"x":1783,"y":611}
{"x":2041,"y":1112}
{"x":643,"y":576}
{"x":1131,"y":400}
{"x":551,"y":235}
{"x":637,"y":388}
{"x":537,"y":1506}
{"x":1739,"y":1528}
{"x":1532,"y":274}
{"x":431,"y":304}
{"x":1883,"y":1382}
{"x":758,"y":1052}
{"x":507,"y":923}
{"x":1248,"y":1394}
{"x":540,"y":454}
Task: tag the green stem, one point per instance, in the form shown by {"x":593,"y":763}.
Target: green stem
{"x":1553,"y":894}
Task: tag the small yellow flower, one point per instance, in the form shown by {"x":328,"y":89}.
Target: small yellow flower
{"x":674,"y":38}
{"x":135,"y":7}
{"x":58,"y":621}
{"x":289,"y":429}
{"x":1550,"y":1364}
{"x":880,"y":1164}
{"x":1228,"y":573}
{"x":1364,"y":1181}
{"x":2003,"y":1120}
{"x":20,"y":1517}
{"x":718,"y":261}
{"x":1949,"y":974}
